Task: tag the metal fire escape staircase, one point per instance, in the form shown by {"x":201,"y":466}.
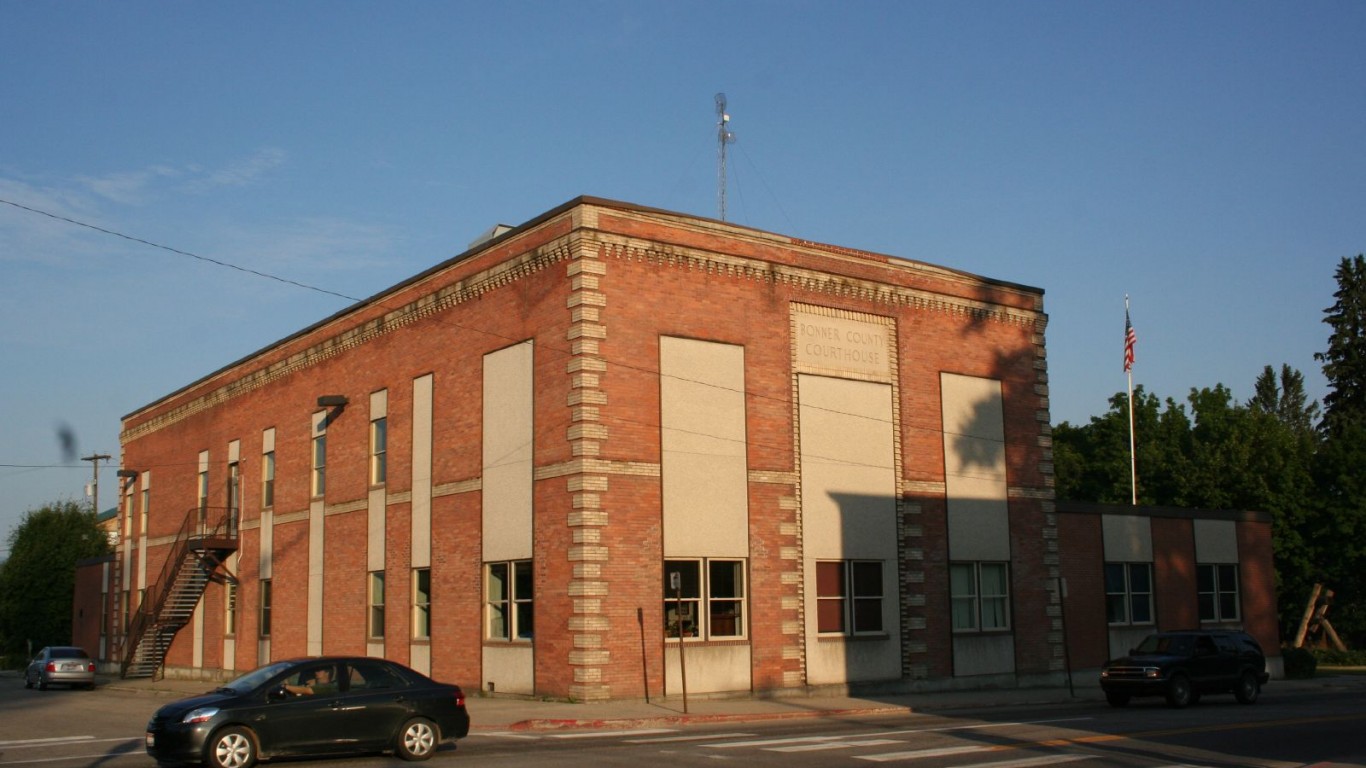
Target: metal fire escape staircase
{"x":196,"y":557}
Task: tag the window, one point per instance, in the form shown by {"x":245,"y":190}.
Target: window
{"x":319,"y":464}
{"x":230,"y":604}
{"x":146,"y":508}
{"x":268,"y":479}
{"x":1217,"y":587}
{"x":379,"y":442}
{"x":203,"y":493}
{"x":422,"y":603}
{"x":265,"y":608}
{"x":1129,"y":593}
{"x":375,"y":623}
{"x":509,"y":589}
{"x":709,"y":602}
{"x":234,"y":486}
{"x":849,"y":597}
{"x":980,"y":596}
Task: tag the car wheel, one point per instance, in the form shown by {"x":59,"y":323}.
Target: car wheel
{"x":231,"y":748}
{"x":42,"y":682}
{"x":1179,"y":691}
{"x":1248,"y":689}
{"x":28,"y":680}
{"x":1117,"y":699}
{"x":417,"y":739}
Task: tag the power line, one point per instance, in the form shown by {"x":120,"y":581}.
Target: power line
{"x":445,"y":321}
{"x":141,"y":241}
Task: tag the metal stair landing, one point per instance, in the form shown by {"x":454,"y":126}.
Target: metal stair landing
{"x":196,"y":557}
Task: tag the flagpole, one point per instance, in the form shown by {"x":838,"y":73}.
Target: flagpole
{"x":1129,"y":371}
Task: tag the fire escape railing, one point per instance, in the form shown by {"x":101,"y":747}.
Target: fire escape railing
{"x":205,"y":538}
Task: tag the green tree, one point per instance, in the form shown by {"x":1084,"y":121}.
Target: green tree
{"x":37,"y":582}
{"x":1344,"y":363}
{"x":1337,"y":529}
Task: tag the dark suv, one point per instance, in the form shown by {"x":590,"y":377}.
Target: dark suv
{"x":1183,"y":665}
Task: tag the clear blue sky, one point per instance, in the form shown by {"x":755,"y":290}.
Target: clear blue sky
{"x":1204,"y":158}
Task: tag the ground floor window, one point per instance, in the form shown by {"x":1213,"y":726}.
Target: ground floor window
{"x":1217,"y":587}
{"x":1129,"y":593}
{"x":980,"y":596}
{"x":230,"y":606}
{"x":704,"y":598}
{"x":375,"y":619}
{"x":265,"y":607}
{"x":510,"y":613}
{"x":422,"y":603}
{"x":849,"y":597}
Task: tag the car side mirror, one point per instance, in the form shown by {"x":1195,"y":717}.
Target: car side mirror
{"x":278,"y":693}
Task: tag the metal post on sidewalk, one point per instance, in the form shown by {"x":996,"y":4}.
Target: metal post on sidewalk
{"x":644,"y":668}
{"x":676,"y":581}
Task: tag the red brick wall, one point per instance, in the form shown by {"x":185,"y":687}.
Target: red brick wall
{"x":1174,"y":573}
{"x":644,"y":299}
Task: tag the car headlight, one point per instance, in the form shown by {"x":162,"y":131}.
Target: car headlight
{"x":1104,"y":673}
{"x":199,"y":715}
{"x":1152,"y":672}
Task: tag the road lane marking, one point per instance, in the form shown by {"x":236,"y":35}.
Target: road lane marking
{"x":835,"y":745}
{"x":694,"y":737}
{"x":53,"y":740}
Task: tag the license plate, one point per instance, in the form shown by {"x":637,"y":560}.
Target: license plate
{"x":71,"y":667}
{"x":151,"y":740}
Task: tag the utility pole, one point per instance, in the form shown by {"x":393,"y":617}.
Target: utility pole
{"x":95,"y":460}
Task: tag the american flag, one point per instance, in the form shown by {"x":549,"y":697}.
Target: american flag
{"x":1130,"y":338}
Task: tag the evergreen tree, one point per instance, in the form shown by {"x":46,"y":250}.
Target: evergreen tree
{"x":1344,"y":364}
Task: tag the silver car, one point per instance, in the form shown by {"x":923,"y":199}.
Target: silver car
{"x":63,"y":664}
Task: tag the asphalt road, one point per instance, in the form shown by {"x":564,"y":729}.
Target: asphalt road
{"x":103,"y":728}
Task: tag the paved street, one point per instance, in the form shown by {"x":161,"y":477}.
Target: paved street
{"x":1293,"y":725}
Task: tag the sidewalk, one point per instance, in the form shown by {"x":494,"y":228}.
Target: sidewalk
{"x":503,"y":713}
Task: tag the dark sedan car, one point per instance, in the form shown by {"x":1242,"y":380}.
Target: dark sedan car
{"x":309,"y":707}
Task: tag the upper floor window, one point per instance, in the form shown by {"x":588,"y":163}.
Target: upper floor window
{"x":268,"y":479}
{"x":379,"y":442}
{"x":319,"y":463}
{"x":980,"y":596}
{"x":1217,"y":588}
{"x":1129,"y":593}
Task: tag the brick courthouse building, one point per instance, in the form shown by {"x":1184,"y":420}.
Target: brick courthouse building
{"x":534,"y":467}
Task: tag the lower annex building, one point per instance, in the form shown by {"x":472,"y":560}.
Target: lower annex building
{"x":545,"y":465}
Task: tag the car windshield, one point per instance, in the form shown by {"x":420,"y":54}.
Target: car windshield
{"x":256,"y":677}
{"x":1175,"y":645}
{"x":68,"y":653}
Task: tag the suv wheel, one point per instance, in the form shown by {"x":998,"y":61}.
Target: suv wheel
{"x":1179,"y":691}
{"x":1248,"y":689}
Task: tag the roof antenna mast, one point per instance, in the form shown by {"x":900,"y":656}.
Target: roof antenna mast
{"x":724,"y":136}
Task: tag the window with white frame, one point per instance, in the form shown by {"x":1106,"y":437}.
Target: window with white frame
{"x":1217,"y":591}
{"x":230,"y":605}
{"x":979,"y":595}
{"x":379,"y":446}
{"x":422,"y":603}
{"x":1129,"y":593}
{"x":268,"y":479}
{"x":849,"y":597}
{"x":265,"y":607}
{"x":203,"y":493}
{"x":319,"y":463}
{"x":510,"y":608}
{"x":375,"y":616}
{"x":709,"y":600}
